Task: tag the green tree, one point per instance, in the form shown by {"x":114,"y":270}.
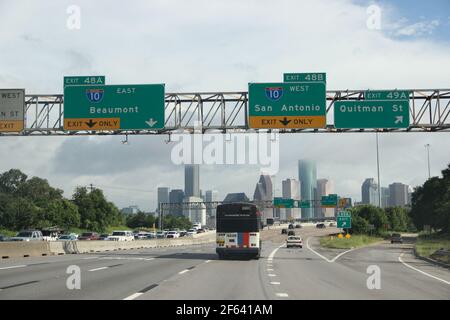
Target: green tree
{"x":96,"y":213}
{"x":176,"y":222}
{"x":39,"y":191}
{"x":365,"y":215}
{"x":11,"y":181}
{"x":431,"y":203}
{"x":398,"y":218}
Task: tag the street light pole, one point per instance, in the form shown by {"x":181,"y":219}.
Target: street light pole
{"x":428,"y":151}
{"x":378,"y":170}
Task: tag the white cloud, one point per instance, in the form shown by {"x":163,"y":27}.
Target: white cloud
{"x":418,"y":28}
{"x":222,"y":45}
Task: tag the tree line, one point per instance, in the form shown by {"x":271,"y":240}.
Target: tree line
{"x":430,"y":205}
{"x":33,"y":203}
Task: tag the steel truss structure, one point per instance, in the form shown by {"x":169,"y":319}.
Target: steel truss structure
{"x":166,"y":208}
{"x":221,"y":112}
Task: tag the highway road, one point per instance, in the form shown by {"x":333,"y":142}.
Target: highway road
{"x":194,"y":272}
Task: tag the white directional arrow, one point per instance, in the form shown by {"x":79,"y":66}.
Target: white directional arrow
{"x":151,"y":122}
{"x":399,"y":119}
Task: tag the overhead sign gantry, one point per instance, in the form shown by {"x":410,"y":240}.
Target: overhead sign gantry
{"x":12,"y":110}
{"x":113,"y":107}
{"x":299,"y":103}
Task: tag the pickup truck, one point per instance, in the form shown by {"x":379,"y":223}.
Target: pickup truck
{"x":294,"y":241}
{"x":121,"y":236}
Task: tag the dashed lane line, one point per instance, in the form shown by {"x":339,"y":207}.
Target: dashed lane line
{"x":97,"y":269}
{"x":282,"y":295}
{"x":14,"y":267}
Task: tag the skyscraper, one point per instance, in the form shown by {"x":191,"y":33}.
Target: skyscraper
{"x":324,"y":187}
{"x":369,"y":192}
{"x":291,"y":190}
{"x":236,"y":197}
{"x":384,"y":197}
{"x":211,"y":196}
{"x":196,"y":211}
{"x":192,"y":180}
{"x":307,"y":174}
{"x":163,"y":196}
{"x":176,"y":197}
{"x":264,"y":192}
{"x":398,"y":194}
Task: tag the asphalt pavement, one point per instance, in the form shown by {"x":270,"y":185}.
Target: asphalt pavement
{"x":195,"y":273}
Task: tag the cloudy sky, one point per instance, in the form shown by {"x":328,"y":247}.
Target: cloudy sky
{"x":202,"y":45}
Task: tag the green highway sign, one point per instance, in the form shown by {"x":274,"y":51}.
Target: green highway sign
{"x":114,"y":107}
{"x":283,"y":203}
{"x":287,"y":105}
{"x":344,"y":220}
{"x":359,"y":114}
{"x":304,"y":204}
{"x":305,"y":77}
{"x":387,"y":95}
{"x":329,"y":201}
{"x":83,"y":80}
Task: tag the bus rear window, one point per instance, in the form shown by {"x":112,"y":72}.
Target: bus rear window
{"x":237,"y":225}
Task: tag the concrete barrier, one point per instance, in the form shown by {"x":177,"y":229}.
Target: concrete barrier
{"x":43,"y":248}
{"x":72,"y":247}
{"x":21,"y":249}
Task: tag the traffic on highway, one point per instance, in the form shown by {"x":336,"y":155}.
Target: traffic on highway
{"x":224,"y":158}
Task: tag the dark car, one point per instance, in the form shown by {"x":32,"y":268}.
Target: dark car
{"x":320,"y":225}
{"x":3,"y":238}
{"x":298,"y":226}
{"x":291,"y":226}
{"x":201,"y":230}
{"x":283,"y":231}
{"x":103,"y":236}
{"x":291,"y":233}
{"x":396,"y":238}
{"x":89,"y":236}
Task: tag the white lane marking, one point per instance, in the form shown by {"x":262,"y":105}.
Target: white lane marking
{"x":13,"y":267}
{"x":207,"y":261}
{"x":184,"y":271}
{"x":274,"y":282}
{"x":282,"y":295}
{"x":134,"y":296}
{"x":325,"y":258}
{"x":272,"y":275}
{"x":422,"y":272}
{"x":272,"y":254}
{"x":268,"y":270}
{"x":89,"y":258}
{"x":97,"y":269}
{"x":149,"y":259}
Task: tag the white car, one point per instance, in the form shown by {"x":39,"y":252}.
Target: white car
{"x":124,"y":235}
{"x":191,"y":232}
{"x":294,"y":241}
{"x":173,"y":234}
